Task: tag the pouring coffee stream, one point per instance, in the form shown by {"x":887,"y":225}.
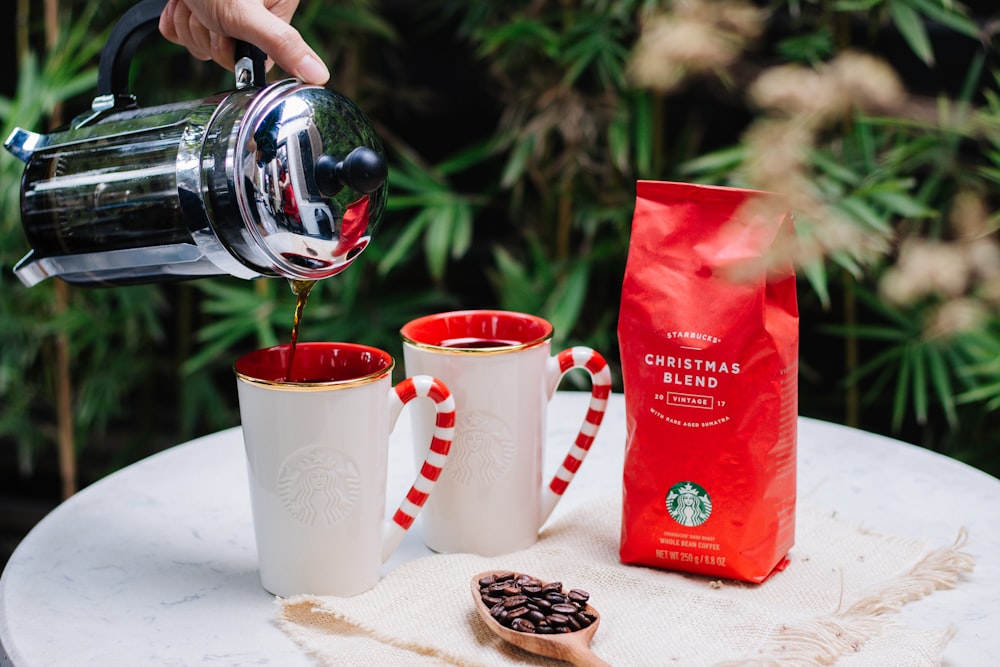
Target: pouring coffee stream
{"x":301,"y":290}
{"x":266,"y":180}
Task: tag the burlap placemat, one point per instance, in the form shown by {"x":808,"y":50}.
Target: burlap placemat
{"x":834,"y":603}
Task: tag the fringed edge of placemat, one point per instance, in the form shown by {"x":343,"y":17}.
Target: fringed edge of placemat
{"x":823,"y":641}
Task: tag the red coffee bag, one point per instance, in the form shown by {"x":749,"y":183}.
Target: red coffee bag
{"x":709,"y":348}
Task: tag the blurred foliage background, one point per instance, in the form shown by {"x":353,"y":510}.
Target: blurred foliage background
{"x":516,"y":132}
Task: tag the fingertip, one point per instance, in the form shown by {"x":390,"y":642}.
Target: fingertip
{"x":312,"y":70}
{"x":166,"y":25}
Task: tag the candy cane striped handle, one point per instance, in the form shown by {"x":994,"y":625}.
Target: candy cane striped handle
{"x":444,"y":430}
{"x":600,"y":376}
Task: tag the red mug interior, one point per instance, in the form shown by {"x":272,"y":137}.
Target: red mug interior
{"x":477,"y":329}
{"x":315,"y":363}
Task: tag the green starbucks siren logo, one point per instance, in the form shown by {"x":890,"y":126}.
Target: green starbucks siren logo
{"x":689,"y":504}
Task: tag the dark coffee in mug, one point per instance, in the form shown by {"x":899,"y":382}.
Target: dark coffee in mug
{"x":475,"y":343}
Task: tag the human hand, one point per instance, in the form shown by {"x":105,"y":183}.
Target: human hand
{"x":209,"y":29}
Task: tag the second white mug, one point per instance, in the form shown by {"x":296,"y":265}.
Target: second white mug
{"x":491,"y":498}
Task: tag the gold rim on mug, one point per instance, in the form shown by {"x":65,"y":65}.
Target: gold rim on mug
{"x":321,"y":385}
{"x":317,"y":386}
{"x":479,"y":351}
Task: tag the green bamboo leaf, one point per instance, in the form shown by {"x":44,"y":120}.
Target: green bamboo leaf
{"x":642,"y":132}
{"x":619,"y":144}
{"x":437,"y":240}
{"x":209,"y":353}
{"x":942,"y":384}
{"x":830,"y":166}
{"x":949,"y":14}
{"x":862,"y":212}
{"x":265,"y":332}
{"x":875,"y":384}
{"x":989,"y":173}
{"x":405,"y":241}
{"x":887,"y":359}
{"x":850,"y":6}
{"x":903,"y":204}
{"x":904,"y":321}
{"x":911,"y":27}
{"x":509,"y":267}
{"x":720,"y":161}
{"x":461,"y":239}
{"x":519,"y":158}
{"x":848,"y":263}
{"x":919,"y":391}
{"x":567,"y":300}
{"x":469,"y":157}
{"x":521,"y":33}
{"x":902,"y":391}
{"x":816,"y":275}
{"x":223,"y":328}
{"x":981,"y":393}
{"x":811,"y":47}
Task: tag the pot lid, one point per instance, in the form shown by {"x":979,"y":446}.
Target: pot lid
{"x":310,"y":179}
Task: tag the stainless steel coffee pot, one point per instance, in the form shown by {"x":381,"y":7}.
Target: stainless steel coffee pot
{"x":284,"y":179}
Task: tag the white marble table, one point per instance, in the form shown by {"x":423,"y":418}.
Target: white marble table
{"x":155,"y":564}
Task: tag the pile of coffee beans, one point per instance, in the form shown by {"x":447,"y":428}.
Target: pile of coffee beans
{"x":526,"y":604}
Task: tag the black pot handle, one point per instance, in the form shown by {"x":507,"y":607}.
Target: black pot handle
{"x":131,"y":30}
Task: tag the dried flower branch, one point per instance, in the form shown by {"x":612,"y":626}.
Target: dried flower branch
{"x":696,"y":38}
{"x":964,"y":272}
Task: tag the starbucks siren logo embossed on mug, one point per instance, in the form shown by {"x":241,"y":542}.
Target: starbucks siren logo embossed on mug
{"x":319,"y":485}
{"x":485,"y":451}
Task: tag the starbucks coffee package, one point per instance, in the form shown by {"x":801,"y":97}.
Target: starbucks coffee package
{"x":709,"y":348}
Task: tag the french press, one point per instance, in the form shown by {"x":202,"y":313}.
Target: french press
{"x":281,"y":179}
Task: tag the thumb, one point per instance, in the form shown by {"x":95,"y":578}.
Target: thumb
{"x":282,"y":43}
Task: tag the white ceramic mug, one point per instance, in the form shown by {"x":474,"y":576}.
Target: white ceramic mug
{"x":498,"y":365}
{"x":317,"y":458}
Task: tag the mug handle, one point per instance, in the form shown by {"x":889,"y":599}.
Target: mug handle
{"x":420,"y":386}
{"x":600,"y":377}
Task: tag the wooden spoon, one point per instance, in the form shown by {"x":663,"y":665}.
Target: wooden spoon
{"x":573,"y":647}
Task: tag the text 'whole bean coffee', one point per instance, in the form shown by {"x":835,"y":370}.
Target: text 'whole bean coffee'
{"x":527,"y":604}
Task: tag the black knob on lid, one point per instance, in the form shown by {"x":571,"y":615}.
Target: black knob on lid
{"x":363,"y":170}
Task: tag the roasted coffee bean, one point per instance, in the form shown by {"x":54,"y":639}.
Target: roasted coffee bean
{"x":522,"y":625}
{"x":536,"y":616}
{"x":514,"y":601}
{"x":517,"y":612}
{"x":526,"y":604}
{"x":558,"y":619}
